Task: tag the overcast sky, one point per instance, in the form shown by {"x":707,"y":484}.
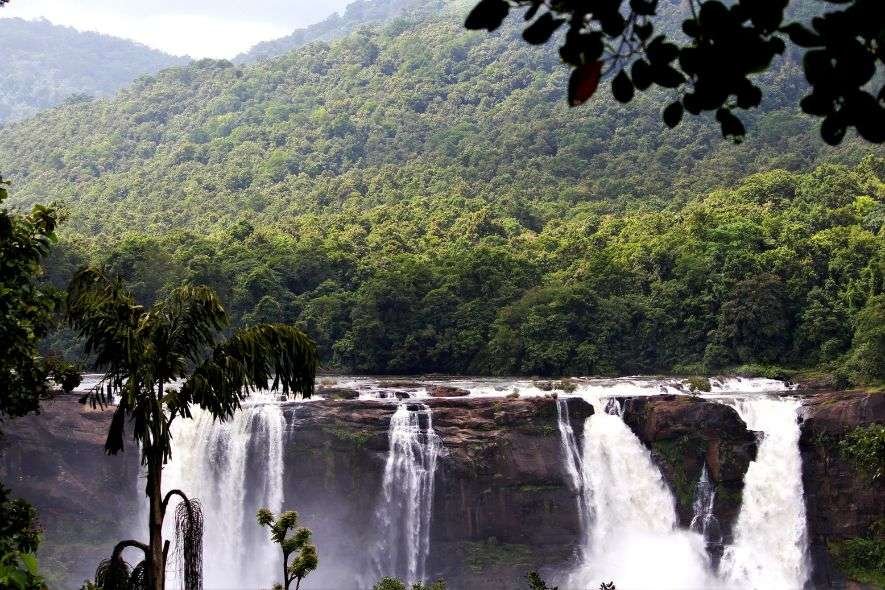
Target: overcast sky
{"x":199,"y":28}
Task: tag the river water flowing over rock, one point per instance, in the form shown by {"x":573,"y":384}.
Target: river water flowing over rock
{"x":636,"y":481}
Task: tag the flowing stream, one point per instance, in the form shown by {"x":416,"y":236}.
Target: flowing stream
{"x":404,"y":509}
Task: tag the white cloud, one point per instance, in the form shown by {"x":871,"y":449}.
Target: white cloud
{"x":199,"y":28}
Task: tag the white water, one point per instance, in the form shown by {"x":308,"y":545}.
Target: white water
{"x":771,"y":544}
{"x":633,"y":537}
{"x":404,"y":508}
{"x":703,"y":520}
{"x":572,"y":462}
{"x":209,"y":463}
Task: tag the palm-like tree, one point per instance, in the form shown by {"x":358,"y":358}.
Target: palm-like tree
{"x":157,"y":363}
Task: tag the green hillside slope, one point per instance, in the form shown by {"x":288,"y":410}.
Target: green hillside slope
{"x":421,"y":199}
{"x":45,"y":64}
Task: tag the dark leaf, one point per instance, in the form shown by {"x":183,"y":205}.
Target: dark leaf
{"x":673,"y":114}
{"x":731,"y":125}
{"x":540,"y":31}
{"x":640,"y":72}
{"x":833,"y":128}
{"x":622,"y":87}
{"x":802,"y":36}
{"x":488,"y":14}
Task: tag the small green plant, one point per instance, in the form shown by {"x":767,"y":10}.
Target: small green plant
{"x":864,"y":446}
{"x":696,"y":384}
{"x":298,"y":544}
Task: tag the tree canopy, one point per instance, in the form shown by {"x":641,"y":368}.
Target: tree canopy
{"x":710,"y":63}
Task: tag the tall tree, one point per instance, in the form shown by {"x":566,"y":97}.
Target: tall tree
{"x":157,"y":363}
{"x":710,"y":65}
{"x":296,"y":546}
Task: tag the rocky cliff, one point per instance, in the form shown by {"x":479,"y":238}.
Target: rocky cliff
{"x":502,"y":503}
{"x":844,"y":497}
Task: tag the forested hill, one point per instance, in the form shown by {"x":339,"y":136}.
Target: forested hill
{"x":420,"y":198}
{"x":46,"y":64}
{"x":402,"y":110}
{"x":356,"y":14}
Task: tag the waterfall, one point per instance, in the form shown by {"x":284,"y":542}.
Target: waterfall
{"x":403,"y":513}
{"x":703,"y":520}
{"x":571,"y":458}
{"x":633,"y":538}
{"x":770,"y":546}
{"x":233,"y":468}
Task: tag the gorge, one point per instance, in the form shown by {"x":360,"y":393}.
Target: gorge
{"x":494,"y":479}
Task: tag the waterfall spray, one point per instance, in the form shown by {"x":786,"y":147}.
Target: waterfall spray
{"x":403,"y":512}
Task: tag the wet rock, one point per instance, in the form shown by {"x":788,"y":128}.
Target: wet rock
{"x":446,"y":391}
{"x":843,"y":501}
{"x":400,"y":384}
{"x":338,"y":393}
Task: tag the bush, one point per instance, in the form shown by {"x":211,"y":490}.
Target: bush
{"x":864,"y":446}
{"x":862,"y":560}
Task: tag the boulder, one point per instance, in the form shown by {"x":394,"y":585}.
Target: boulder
{"x":338,"y":393}
{"x":446,"y":391}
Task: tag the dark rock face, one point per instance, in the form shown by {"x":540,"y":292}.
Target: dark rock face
{"x":502,"y":504}
{"x":683,"y":433}
{"x":86,"y":500}
{"x":842,"y":501}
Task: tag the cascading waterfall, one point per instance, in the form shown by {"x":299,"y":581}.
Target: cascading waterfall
{"x":211,"y":462}
{"x":403,"y":512}
{"x":771,"y":546}
{"x":633,"y":537}
{"x":703,"y":519}
{"x":572,"y":461}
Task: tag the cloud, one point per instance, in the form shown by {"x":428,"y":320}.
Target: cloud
{"x":199,"y":28}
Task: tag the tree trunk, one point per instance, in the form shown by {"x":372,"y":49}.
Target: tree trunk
{"x":157,"y":562}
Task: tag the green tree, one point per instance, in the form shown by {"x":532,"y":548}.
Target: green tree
{"x":724,"y":45}
{"x":296,"y":546}
{"x":28,"y":311}
{"x":19,"y":537}
{"x":868,"y":346}
{"x":159,"y":362}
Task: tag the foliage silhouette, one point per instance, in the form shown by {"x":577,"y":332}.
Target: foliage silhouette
{"x":156,"y":364}
{"x":710,"y":65}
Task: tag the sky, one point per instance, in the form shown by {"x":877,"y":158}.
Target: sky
{"x":199,"y":28}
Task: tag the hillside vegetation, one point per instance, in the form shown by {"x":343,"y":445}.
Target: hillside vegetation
{"x":45,"y":65}
{"x":420,"y":198}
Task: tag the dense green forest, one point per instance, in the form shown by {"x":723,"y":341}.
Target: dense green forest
{"x":419,"y":198}
{"x":45,"y":65}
